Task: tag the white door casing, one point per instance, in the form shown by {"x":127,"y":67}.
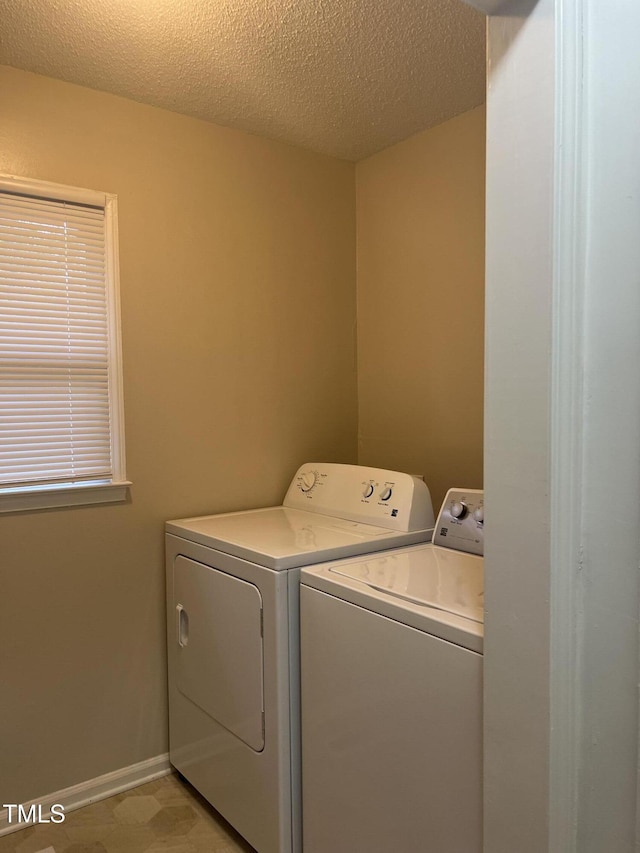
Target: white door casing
{"x":562,"y":427}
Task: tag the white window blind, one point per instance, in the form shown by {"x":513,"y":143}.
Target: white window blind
{"x":57,"y":363}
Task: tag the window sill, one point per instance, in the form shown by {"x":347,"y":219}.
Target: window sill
{"x":50,"y":497}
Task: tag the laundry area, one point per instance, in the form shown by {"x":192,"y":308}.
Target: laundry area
{"x":278,"y":306}
{"x":250,"y":612}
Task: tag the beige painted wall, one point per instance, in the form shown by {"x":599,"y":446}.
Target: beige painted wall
{"x":420,"y":249}
{"x":238,"y":315}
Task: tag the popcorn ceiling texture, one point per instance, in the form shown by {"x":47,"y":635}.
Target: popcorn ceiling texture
{"x":341,"y":77}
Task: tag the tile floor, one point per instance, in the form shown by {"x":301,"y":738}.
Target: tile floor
{"x":166,"y":815}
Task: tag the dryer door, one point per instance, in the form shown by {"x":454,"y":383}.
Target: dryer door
{"x":218,"y":633}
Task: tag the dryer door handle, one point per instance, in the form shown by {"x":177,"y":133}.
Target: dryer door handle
{"x":183,"y":626}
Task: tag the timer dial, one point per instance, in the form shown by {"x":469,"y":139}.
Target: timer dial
{"x":478,"y":514}
{"x":458,"y":509}
{"x":308,"y":480}
{"x":385,"y":494}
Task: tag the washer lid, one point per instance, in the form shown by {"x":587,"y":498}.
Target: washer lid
{"x":433,"y":589}
{"x":431,"y":576}
{"x":283,"y":538}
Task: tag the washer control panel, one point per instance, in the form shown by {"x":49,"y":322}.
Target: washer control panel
{"x":389,"y":499}
{"x":460,"y":524}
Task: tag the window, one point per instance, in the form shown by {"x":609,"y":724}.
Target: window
{"x":61,"y":419}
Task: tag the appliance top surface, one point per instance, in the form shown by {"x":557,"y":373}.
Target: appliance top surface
{"x":435,"y":577}
{"x":282,"y":537}
{"x":426,"y":586}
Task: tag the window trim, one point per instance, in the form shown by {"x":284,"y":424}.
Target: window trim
{"x":84,"y":492}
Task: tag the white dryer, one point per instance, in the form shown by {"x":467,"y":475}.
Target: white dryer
{"x":391,"y":662}
{"x":233,"y":633}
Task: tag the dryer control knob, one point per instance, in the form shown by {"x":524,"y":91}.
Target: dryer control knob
{"x":367,"y":491}
{"x":308,"y":480}
{"x":478,"y":514}
{"x":458,"y":509}
{"x":385,"y":494}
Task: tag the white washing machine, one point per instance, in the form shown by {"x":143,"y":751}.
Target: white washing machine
{"x":233,"y":633}
{"x":391,"y":663}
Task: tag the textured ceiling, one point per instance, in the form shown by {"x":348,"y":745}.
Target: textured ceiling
{"x":343,"y":77}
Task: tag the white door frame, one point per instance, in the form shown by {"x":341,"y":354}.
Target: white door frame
{"x":562,"y":448}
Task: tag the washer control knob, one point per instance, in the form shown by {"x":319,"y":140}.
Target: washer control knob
{"x":368,"y":491}
{"x":386,"y":493}
{"x":478,"y":514}
{"x":458,"y":509}
{"x":308,"y":480}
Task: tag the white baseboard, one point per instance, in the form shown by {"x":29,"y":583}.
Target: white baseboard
{"x":90,"y":791}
